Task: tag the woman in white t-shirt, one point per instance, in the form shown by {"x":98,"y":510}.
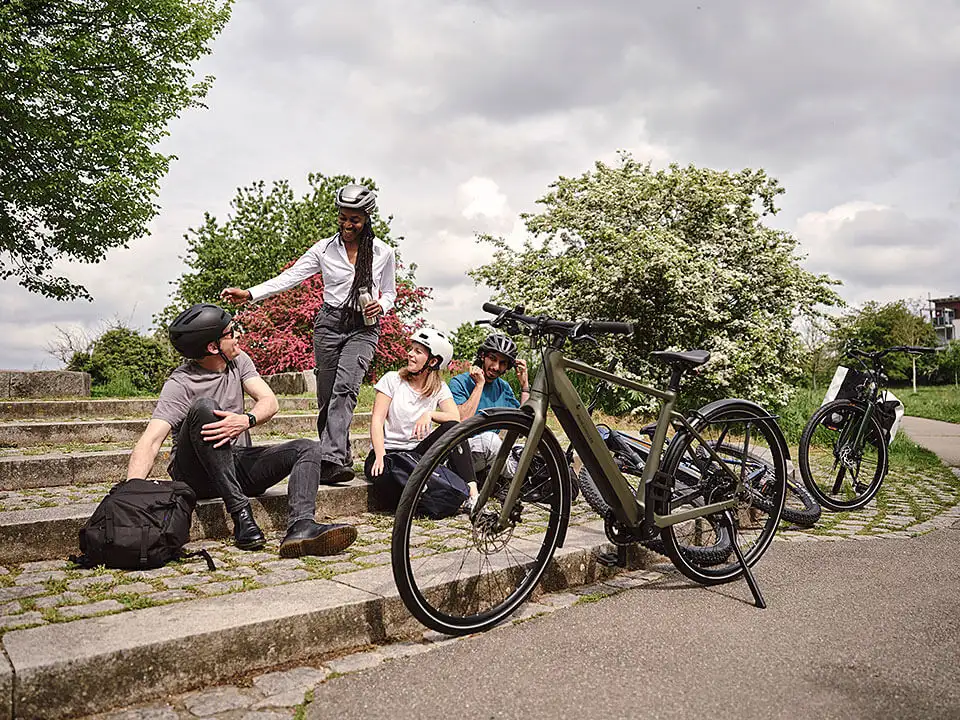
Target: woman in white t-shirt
{"x":410,"y":401}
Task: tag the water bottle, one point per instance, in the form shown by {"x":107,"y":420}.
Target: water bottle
{"x":365,"y":299}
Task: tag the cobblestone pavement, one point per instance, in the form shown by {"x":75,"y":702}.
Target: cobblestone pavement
{"x":37,"y":593}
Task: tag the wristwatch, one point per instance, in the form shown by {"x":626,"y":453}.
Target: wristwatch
{"x":252,"y":418}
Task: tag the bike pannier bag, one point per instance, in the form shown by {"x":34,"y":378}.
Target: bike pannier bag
{"x":845,"y":385}
{"x":140,"y":524}
{"x":443,"y":494}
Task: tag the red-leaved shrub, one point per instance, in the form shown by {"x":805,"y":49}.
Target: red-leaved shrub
{"x":278,"y":332}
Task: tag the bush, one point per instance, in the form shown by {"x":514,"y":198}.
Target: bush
{"x":127,"y":361}
{"x":278,"y":333}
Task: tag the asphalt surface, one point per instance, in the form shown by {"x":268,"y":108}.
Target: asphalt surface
{"x":853,"y":629}
{"x":943,"y":438}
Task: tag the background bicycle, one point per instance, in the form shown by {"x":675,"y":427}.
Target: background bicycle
{"x":843,"y":453}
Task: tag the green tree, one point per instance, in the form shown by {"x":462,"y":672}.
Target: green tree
{"x":466,"y":339}
{"x":86,"y":91}
{"x":264,"y":232}
{"x":876,"y":326}
{"x":683,"y":253}
{"x":948,"y":362}
{"x":142,"y":360}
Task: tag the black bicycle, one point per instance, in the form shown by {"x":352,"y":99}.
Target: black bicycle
{"x":800,"y":507}
{"x":843,"y":449}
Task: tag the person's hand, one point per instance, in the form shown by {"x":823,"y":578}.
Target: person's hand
{"x":234,"y":295}
{"x":372,"y":309}
{"x":476,"y":374}
{"x":422,"y":428}
{"x":522,"y":375}
{"x":377,"y":467}
{"x":225,"y":430}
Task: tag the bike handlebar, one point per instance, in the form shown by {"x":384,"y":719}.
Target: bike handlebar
{"x":876,"y":355}
{"x":572,"y":329}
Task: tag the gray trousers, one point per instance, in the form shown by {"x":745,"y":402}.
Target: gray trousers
{"x":343,"y":353}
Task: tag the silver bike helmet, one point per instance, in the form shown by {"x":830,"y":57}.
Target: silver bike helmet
{"x":499,"y":344}
{"x":357,"y":197}
{"x":436,"y":343}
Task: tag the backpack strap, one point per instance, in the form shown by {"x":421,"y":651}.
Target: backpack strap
{"x":200,"y":553}
{"x":144,"y":533}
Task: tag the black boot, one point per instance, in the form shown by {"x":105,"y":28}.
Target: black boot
{"x":332,"y":473}
{"x":307,"y":537}
{"x":246,"y":534}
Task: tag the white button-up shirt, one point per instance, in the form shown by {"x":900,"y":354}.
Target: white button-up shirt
{"x":329,"y":258}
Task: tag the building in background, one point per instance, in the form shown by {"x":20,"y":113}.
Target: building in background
{"x":945,"y":316}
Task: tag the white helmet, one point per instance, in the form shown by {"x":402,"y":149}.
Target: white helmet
{"x":435,"y":342}
{"x":357,"y":197}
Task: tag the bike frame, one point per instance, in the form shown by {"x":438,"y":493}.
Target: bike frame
{"x":551,"y":389}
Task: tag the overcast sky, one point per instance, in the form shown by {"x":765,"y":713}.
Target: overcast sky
{"x":465,"y":111}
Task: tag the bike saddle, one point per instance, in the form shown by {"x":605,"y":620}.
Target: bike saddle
{"x":690,"y":358}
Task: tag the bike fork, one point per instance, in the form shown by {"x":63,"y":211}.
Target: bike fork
{"x":751,"y":582}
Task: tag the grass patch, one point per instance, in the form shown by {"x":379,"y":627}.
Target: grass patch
{"x":591,"y":598}
{"x":300,"y":712}
{"x":135,"y":602}
{"x":55,"y":587}
{"x":936,"y":402}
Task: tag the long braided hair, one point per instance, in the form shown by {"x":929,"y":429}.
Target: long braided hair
{"x":363,"y":270}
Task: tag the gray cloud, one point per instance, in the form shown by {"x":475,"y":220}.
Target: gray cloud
{"x":481,"y":104}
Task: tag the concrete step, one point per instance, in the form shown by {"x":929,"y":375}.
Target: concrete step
{"x":29,"y":434}
{"x":81,"y":666}
{"x":55,"y":469}
{"x":118,"y":408}
{"x":51,"y":531}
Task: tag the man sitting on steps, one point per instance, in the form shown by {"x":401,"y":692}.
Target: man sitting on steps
{"x":202,"y":403}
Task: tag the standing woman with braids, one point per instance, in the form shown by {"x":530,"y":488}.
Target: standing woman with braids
{"x":350,"y":262}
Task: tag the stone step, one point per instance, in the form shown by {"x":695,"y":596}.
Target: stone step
{"x":58,"y":469}
{"x":119,"y":408}
{"x":29,"y":434}
{"x":45,"y":533}
{"x":82,"y":666}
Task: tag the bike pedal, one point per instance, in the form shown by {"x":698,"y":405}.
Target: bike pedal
{"x":613,"y":558}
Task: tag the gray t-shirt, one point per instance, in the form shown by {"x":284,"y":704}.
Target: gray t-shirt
{"x":191,"y":381}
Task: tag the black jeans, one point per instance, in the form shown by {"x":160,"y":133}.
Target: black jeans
{"x":459,"y":458}
{"x":236,"y":474}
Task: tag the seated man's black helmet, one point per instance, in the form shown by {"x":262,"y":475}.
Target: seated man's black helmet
{"x":196,"y":327}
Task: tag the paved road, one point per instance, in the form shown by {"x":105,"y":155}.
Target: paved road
{"x":854,"y":629}
{"x":943,"y":438}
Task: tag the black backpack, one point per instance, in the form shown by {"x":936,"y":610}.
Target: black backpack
{"x":443,"y":495}
{"x":140,"y":524}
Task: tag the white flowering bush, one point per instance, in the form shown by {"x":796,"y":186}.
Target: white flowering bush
{"x":683,"y":252}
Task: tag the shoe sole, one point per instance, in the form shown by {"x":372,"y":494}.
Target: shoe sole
{"x":258,"y":545}
{"x":338,"y":476}
{"x":329,"y":542}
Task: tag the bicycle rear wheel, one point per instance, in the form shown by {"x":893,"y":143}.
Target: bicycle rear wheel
{"x":840,"y":475}
{"x":747,"y":443}
{"x":465,"y":574}
{"x":800,"y":506}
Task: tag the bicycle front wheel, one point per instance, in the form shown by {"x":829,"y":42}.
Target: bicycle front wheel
{"x":838,"y":472}
{"x":467,"y":573}
{"x":746,"y":443}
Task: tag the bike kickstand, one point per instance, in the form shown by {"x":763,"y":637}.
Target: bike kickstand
{"x":747,"y":574}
